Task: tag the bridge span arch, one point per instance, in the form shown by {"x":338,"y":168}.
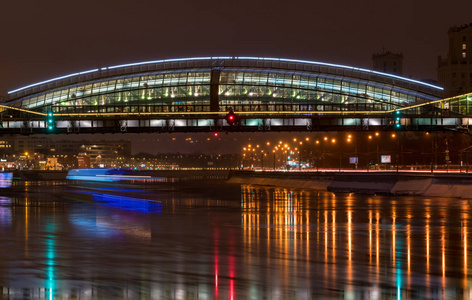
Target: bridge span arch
{"x":194,"y":94}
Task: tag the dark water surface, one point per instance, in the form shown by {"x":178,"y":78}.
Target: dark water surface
{"x":213,"y":240}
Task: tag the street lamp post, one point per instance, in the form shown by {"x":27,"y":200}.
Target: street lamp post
{"x":466,"y":150}
{"x":447,"y":156}
{"x":273,"y":151}
{"x":300,"y":157}
{"x":436,"y":154}
{"x":299,"y":161}
{"x":262,"y":160}
{"x":397,"y":155}
{"x":378,"y":157}
{"x":368,"y":156}
{"x":322,"y":152}
{"x":396,"y":152}
{"x":370,"y":137}
{"x":348,"y":140}
{"x":317,"y":156}
{"x":432,"y":153}
{"x":340,"y":159}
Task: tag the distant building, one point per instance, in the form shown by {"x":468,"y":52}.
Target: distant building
{"x":5,"y":146}
{"x":44,"y":145}
{"x":83,"y":161}
{"x":106,"y":153}
{"x":52,"y":164}
{"x":455,"y":71}
{"x":388,"y":62}
{"x":99,"y":152}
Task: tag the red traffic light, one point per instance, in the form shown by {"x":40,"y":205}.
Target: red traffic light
{"x":231,"y":118}
{"x":215,"y":134}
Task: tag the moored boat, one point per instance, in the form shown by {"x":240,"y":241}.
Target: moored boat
{"x":114,"y":179}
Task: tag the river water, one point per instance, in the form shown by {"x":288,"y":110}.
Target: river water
{"x":214,"y":240}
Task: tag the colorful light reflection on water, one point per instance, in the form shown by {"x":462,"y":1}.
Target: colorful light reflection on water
{"x":255,"y":242}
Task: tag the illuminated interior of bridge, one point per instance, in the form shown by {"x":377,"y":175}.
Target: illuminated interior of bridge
{"x":199,"y":92}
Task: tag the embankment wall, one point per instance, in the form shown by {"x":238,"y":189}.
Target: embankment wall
{"x":389,"y":183}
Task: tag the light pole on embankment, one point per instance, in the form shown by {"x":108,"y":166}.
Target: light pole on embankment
{"x":273,"y":151}
{"x":446,"y":156}
{"x":262,"y":159}
{"x":299,"y":156}
{"x":369,"y":138}
{"x":325,"y":142}
{"x":397,"y":156}
{"x":432,"y":151}
{"x":466,"y":160}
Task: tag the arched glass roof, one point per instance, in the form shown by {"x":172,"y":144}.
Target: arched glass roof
{"x":222,"y":83}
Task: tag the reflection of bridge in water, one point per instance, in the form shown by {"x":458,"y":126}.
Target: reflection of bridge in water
{"x":195,"y":94}
{"x":260,"y":243}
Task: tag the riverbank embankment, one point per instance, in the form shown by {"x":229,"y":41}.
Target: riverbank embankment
{"x":388,"y":183}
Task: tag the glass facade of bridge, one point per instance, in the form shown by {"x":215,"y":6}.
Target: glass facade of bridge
{"x":186,"y":90}
{"x":271,"y":90}
{"x":460,"y":104}
{"x":243,"y":89}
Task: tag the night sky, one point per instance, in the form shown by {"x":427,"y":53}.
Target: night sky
{"x":45,"y":39}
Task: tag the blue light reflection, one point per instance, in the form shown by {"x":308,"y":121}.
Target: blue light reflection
{"x":50,"y":285}
{"x":126,"y":202}
{"x":129,"y":203}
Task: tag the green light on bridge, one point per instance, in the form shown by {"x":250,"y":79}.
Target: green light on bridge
{"x":51,"y":124}
{"x":397,"y":120}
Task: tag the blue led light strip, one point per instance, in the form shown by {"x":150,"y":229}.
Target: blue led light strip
{"x":53,"y":79}
{"x":228,"y":57}
{"x":338,"y":66}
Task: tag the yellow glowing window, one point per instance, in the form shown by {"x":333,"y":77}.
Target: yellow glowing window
{"x":464,"y":46}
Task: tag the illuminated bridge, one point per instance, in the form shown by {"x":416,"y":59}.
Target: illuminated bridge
{"x":196,"y":94}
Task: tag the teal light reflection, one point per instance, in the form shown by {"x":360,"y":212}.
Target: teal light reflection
{"x":50,"y":284}
{"x":398,"y":268}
